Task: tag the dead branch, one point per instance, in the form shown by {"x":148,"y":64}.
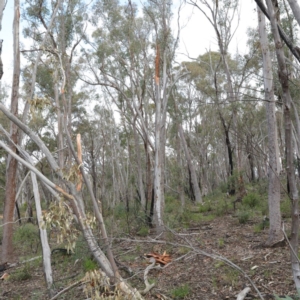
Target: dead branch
{"x":243,"y":293}
{"x":197,"y":251}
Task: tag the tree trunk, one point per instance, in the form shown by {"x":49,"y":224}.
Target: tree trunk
{"x":43,"y":236}
{"x":2,"y":7}
{"x":295,"y":9}
{"x":284,"y":81}
{"x":195,"y":185}
{"x":139,"y":170}
{"x":158,"y":193}
{"x":275,"y":233}
{"x":180,"y":175}
{"x":11,"y":166}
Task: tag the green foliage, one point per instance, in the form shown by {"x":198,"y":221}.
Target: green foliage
{"x":180,"y":292}
{"x":21,"y":274}
{"x":171,"y":204}
{"x":285,"y":207}
{"x":89,"y":265}
{"x":27,"y":236}
{"x":205,"y":207}
{"x":243,"y":216}
{"x":221,"y":243}
{"x":252,"y":200}
{"x":144,"y":231}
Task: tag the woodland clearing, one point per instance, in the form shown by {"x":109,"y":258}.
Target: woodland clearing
{"x":213,"y":227}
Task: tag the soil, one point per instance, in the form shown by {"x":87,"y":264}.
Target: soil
{"x":190,"y":275}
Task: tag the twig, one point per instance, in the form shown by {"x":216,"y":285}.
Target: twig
{"x":148,"y":285}
{"x":213,"y":256}
{"x":68,"y":288}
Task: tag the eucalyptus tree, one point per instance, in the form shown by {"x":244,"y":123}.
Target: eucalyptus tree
{"x":222,"y":17}
{"x":287,"y":100}
{"x":275,"y":233}
{"x":11,"y":163}
{"x":204,"y":94}
{"x":122,"y":62}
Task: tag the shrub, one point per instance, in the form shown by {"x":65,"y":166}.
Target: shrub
{"x":27,"y":236}
{"x":205,"y":207}
{"x":243,"y":216}
{"x":144,"y":231}
{"x":252,"y":200}
{"x":21,"y":274}
{"x":89,"y":265}
{"x":181,"y":292}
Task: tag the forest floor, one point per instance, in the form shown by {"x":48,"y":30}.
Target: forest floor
{"x":190,"y":275}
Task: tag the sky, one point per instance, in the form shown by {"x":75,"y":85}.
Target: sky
{"x":196,"y":37}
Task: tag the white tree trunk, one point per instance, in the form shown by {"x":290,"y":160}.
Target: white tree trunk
{"x":275,"y":233}
{"x":287,"y":100}
{"x":295,"y":9}
{"x":43,"y":235}
{"x":158,"y":194}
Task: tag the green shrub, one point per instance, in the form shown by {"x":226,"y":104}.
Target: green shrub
{"x":21,"y":274}
{"x":205,"y":207}
{"x":252,"y":200}
{"x":243,"y":216}
{"x":27,"y":236}
{"x":180,"y":292}
{"x":285,"y":207}
{"x":144,"y":231}
{"x":89,"y":265}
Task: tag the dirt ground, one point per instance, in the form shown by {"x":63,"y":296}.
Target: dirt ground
{"x":190,"y":275}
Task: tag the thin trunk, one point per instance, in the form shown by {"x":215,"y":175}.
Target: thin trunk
{"x":11,"y":165}
{"x":284,"y":81}
{"x":195,"y":185}
{"x":275,"y":233}
{"x":295,"y":9}
{"x":60,"y":139}
{"x":180,"y":173}
{"x":2,"y":7}
{"x":158,"y":194}
{"x":139,"y":170}
{"x":43,"y":236}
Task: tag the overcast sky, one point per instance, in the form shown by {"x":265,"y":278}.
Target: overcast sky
{"x":197,"y":35}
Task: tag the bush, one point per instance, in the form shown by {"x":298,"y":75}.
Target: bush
{"x":89,"y":265}
{"x":243,"y":216}
{"x":21,"y":274}
{"x":181,"y":292}
{"x":27,"y":236}
{"x":252,"y":200}
{"x":144,"y":231}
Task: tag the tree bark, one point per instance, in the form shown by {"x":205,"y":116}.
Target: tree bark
{"x":196,"y":189}
{"x":2,"y":7}
{"x":275,"y":233}
{"x":158,"y":193}
{"x":293,"y":192}
{"x":11,"y":166}
{"x":295,"y":9}
{"x":43,"y":236}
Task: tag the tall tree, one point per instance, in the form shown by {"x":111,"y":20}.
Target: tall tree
{"x":287,"y":100}
{"x":11,"y":165}
{"x":275,"y":233}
